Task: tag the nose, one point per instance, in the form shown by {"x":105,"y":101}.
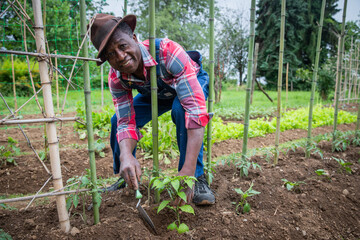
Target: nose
{"x":120,"y":55}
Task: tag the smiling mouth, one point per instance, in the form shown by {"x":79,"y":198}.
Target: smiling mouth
{"x":126,"y":63}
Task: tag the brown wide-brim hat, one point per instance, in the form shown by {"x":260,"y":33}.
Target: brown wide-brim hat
{"x":103,"y":27}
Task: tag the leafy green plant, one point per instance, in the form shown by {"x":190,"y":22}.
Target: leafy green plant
{"x":4,"y":235}
{"x":99,"y":146}
{"x":292,"y":186}
{"x":343,"y":165}
{"x":7,"y":207}
{"x":210,"y":171}
{"x":321,"y":172}
{"x":8,"y":152}
{"x":80,"y":182}
{"x":175,"y":187}
{"x":243,"y":203}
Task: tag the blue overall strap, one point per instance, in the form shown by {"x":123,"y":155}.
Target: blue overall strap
{"x":157,"y":48}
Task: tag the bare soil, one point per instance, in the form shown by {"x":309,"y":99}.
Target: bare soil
{"x":322,"y":208}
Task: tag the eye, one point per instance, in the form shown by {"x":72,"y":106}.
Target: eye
{"x":110,"y":54}
{"x":123,"y":46}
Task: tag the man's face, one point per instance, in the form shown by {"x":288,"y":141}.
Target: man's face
{"x":123,"y":53}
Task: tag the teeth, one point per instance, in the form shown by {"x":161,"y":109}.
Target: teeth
{"x":126,"y":63}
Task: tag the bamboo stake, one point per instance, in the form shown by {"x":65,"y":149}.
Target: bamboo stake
{"x":350,"y":63}
{"x":57,"y":85}
{"x":102,"y":85}
{"x":51,"y":194}
{"x":254,"y":72}
{"x":41,"y":120}
{"x":356,"y":90}
{"x":280,"y":72}
{"x":211,"y":84}
{"x":125,"y":7}
{"x":339,"y":73}
{"x":46,"y":55}
{"x":315,"y":75}
{"x":337,"y":70}
{"x":51,"y":127}
{"x":89,"y":125}
{"x":357,"y":132}
{"x":287,"y":81}
{"x":28,"y":65}
{"x":154,"y":100}
{"x":14,"y":85}
{"x":249,"y":80}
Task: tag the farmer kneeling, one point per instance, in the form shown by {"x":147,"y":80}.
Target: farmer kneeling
{"x":182,"y":88}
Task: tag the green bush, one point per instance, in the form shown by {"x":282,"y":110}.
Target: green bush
{"x":22,"y":77}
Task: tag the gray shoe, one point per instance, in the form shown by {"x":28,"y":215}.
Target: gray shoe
{"x":203,"y":195}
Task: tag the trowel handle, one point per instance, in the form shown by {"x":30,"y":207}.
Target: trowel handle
{"x":138,"y":194}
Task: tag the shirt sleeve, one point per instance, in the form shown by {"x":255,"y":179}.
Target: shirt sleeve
{"x":188,"y":89}
{"x":124,"y":109}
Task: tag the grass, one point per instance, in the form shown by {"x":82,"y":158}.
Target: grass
{"x":232,"y":104}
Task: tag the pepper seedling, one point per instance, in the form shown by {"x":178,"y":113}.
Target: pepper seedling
{"x":175,"y":187}
{"x":243,"y":203}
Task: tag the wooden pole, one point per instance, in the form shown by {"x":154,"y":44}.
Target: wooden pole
{"x":211,"y":84}
{"x":14,"y":84}
{"x":314,"y":80}
{"x":89,"y":125}
{"x":154,"y":99}
{"x":349,"y":70}
{"x":280,"y":72}
{"x":357,"y":87}
{"x":249,"y":80}
{"x":102,"y":85}
{"x":287,"y":81}
{"x":339,"y":73}
{"x":254,"y":72}
{"x":49,"y":109}
{"x":40,"y":120}
{"x":57,"y":84}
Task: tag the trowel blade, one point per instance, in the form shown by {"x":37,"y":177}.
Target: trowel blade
{"x":145,"y":217}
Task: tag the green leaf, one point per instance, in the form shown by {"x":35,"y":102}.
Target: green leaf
{"x":85,"y":181}
{"x":189,"y":182}
{"x":76,"y":200}
{"x":172,"y":226}
{"x":102,"y":154}
{"x":182,"y":195}
{"x":187,"y":208}
{"x":246,"y":208}
{"x":176,"y":184}
{"x":162,"y":205}
{"x":68,"y":203}
{"x":238,"y":190}
{"x":183,"y":228}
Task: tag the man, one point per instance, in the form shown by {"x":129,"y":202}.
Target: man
{"x":182,"y":88}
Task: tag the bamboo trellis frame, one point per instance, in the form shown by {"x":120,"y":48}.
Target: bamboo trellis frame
{"x":44,"y":61}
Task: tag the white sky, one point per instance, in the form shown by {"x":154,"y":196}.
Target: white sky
{"x":352,"y":12}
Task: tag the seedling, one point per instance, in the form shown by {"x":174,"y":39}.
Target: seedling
{"x":343,"y":165}
{"x":292,"y":186}
{"x":321,"y":172}
{"x":243,"y":203}
{"x":175,"y":187}
{"x":8,"y":152}
{"x":210,"y":171}
{"x":99,"y":146}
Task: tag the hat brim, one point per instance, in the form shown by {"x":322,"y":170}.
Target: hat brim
{"x":129,"y":20}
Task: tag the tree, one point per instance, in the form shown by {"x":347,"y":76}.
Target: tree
{"x":183,"y":21}
{"x":300,"y":36}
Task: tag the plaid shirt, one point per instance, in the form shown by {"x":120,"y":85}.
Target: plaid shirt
{"x":177,"y":70}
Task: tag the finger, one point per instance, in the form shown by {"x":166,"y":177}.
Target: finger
{"x":138,"y":172}
{"x":126,"y":177}
{"x":133,"y":180}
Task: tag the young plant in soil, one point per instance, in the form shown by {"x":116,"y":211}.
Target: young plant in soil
{"x":292,"y":186}
{"x":343,"y":165}
{"x":8,"y":152}
{"x":322,"y":172}
{"x":175,"y":187}
{"x":243,"y":203}
{"x":80,"y":182}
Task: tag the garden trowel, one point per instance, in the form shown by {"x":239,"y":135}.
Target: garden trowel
{"x":143,"y":214}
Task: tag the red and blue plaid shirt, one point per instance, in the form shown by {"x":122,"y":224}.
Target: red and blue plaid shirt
{"x":180,"y":74}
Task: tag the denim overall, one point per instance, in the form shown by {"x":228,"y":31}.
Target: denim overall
{"x":167,"y":100}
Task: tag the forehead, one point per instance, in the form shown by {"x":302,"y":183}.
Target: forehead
{"x":120,"y":35}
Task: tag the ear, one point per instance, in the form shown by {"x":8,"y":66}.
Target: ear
{"x":135,"y":38}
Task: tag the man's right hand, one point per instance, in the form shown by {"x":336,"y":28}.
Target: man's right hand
{"x":130,"y":170}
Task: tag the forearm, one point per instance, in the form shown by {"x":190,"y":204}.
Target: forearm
{"x":194,"y":142}
{"x":126,"y":146}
